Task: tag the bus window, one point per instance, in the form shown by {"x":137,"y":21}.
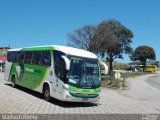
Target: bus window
{"x":46,"y":58}
{"x":20,"y":56}
{"x":59,"y":65}
{"x":36,"y":58}
{"x":12,"y":56}
{"x":28,"y":58}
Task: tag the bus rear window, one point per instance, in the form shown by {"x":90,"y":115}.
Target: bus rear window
{"x":12,"y":56}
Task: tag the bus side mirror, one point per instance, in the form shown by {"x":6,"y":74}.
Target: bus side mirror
{"x":67,"y":62}
{"x":105,"y":70}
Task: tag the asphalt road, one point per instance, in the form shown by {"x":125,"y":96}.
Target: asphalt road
{"x":154,"y":82}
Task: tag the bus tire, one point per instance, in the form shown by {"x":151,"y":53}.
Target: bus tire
{"x":46,"y":92}
{"x":13,"y":81}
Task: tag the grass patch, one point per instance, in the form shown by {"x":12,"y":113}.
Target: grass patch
{"x":114,"y":84}
{"x":132,"y":74}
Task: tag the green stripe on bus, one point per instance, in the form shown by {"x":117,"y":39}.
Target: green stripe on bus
{"x":82,"y":90}
{"x":38,"y":48}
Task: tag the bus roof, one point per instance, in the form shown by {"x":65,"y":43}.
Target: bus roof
{"x":16,"y":49}
{"x":65,"y":49}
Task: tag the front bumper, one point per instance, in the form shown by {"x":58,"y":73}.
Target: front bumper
{"x":74,"y":97}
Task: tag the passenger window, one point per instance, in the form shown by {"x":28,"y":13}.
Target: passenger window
{"x":28,"y":58}
{"x":46,"y":58}
{"x":59,"y":65}
{"x":37,"y":58}
{"x":20,"y":56}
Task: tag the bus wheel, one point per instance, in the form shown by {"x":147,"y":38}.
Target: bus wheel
{"x":46,"y":93}
{"x":13,"y":82}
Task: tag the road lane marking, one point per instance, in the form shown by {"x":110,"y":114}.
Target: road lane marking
{"x":151,"y":87}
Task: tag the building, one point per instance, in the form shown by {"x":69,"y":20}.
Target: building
{"x":3,"y":52}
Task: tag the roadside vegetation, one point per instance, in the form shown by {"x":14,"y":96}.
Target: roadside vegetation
{"x":120,"y":83}
{"x":132,"y":74}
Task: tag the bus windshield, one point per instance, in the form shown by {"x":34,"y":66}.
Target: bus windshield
{"x":84,"y":72}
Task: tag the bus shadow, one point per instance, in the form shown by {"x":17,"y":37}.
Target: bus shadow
{"x":72,"y":104}
{"x":54,"y":101}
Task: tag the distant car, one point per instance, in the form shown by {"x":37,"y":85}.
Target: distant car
{"x":151,"y":68}
{"x":132,"y":68}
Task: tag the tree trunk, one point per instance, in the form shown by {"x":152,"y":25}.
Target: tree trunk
{"x":144,"y":67}
{"x":111,"y":72}
{"x":110,"y":66}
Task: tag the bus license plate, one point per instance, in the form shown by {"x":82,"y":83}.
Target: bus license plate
{"x":85,"y":99}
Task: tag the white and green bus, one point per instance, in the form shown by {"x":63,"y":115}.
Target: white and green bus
{"x":64,"y":73}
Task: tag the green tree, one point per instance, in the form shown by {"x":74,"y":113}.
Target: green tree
{"x":112,"y":40}
{"x":142,"y":53}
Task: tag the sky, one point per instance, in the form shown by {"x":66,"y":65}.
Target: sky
{"x":25,"y":23}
